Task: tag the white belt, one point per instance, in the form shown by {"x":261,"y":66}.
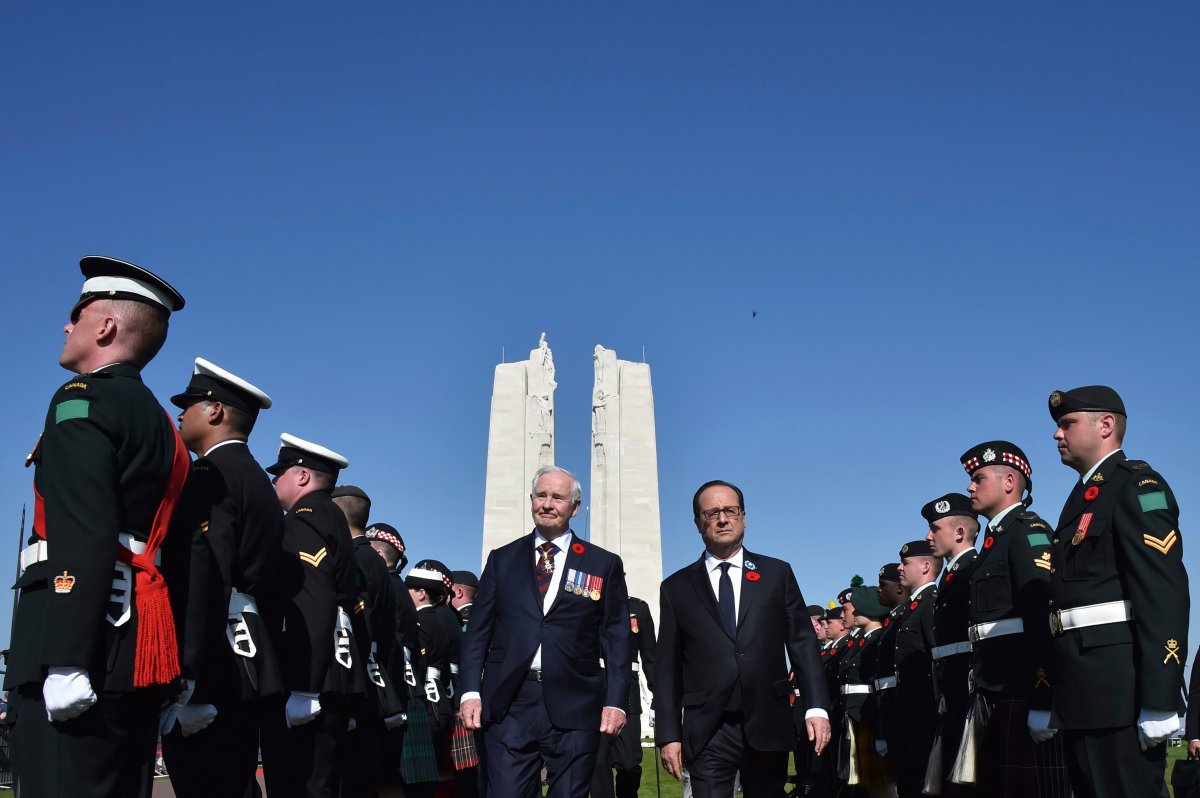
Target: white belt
{"x":33,"y":554}
{"x":453,"y":668}
{"x":885,"y":682}
{"x":856,"y":689}
{"x":950,"y":649}
{"x":1091,"y":615}
{"x":343,"y":639}
{"x":237,"y":631}
{"x":636,"y":667}
{"x":1008,"y":626}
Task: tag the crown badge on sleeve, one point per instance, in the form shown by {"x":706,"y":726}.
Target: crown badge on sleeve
{"x":64,"y":583}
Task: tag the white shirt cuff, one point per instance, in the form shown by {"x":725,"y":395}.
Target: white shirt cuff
{"x":469,"y":697}
{"x":816,"y":712}
{"x":618,"y":709}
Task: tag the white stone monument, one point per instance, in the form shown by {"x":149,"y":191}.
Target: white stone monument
{"x":520,"y":441}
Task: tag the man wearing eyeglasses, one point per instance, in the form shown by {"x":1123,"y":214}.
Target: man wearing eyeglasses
{"x":549,"y":608}
{"x":722,"y":705}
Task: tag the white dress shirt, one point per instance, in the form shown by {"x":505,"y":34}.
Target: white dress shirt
{"x":713,"y":564}
{"x":563,"y":542}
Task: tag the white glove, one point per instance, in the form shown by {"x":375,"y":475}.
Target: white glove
{"x":166,"y":721}
{"x":881,"y":747}
{"x":1155,"y":726}
{"x":68,"y":693}
{"x":195,"y":718}
{"x":394,"y":721}
{"x":301,"y":708}
{"x":1039,"y":725}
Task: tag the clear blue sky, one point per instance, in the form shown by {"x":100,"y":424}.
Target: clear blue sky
{"x":940,"y":213}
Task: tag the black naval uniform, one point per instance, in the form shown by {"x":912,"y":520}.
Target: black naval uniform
{"x":952,"y":657}
{"x":317,"y":576}
{"x":229,"y":530}
{"x":1012,"y":672}
{"x":910,"y":742}
{"x":624,"y":752}
{"x":103,"y":464}
{"x":1118,"y":540}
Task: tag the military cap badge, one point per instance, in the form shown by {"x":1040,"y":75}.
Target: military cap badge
{"x":942,"y":507}
{"x":1055,"y":399}
{"x":989,"y":455}
{"x":64,"y":583}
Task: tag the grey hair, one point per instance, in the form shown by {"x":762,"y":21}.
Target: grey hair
{"x":576,"y":489}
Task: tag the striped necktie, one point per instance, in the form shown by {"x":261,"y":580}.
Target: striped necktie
{"x":545,"y":566}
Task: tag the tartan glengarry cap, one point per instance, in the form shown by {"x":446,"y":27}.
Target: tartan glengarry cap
{"x":1089,"y":398}
{"x":948,"y":505}
{"x":916,"y":548}
{"x":295,"y":451}
{"x":387,"y":534}
{"x":109,"y":278}
{"x":997,"y":453}
{"x":212,"y":383}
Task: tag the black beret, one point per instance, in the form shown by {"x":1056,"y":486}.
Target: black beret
{"x":350,"y":490}
{"x":815,"y":611}
{"x":1089,"y":398}
{"x":890,"y":572}
{"x":948,"y":505}
{"x":844,"y":596}
{"x":997,"y":453}
{"x":916,"y":548}
{"x":467,"y":578}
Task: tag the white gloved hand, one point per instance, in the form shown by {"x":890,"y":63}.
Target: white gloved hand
{"x":395,"y":721}
{"x":1039,"y":725}
{"x":196,"y":718}
{"x":166,"y":721}
{"x":1155,"y":726}
{"x":301,"y":708}
{"x":68,"y":693}
{"x":881,"y":747}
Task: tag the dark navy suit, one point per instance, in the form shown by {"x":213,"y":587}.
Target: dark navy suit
{"x":558,"y":718}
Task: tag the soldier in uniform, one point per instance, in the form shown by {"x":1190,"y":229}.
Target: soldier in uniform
{"x":428,"y":584}
{"x":846,"y":660}
{"x":1010,"y":662}
{"x":916,"y":711}
{"x":375,"y":634}
{"x":624,"y":752}
{"x":1119,"y":599}
{"x":110,"y":470}
{"x":869,"y":771}
{"x":317,"y":592}
{"x":464,"y":586}
{"x":894,"y":595}
{"x":953,"y":527}
{"x":227,"y":538}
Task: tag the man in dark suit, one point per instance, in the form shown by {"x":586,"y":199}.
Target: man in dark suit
{"x":228,"y":531}
{"x":1119,"y":604}
{"x":916,"y":711}
{"x":952,"y":530}
{"x":1191,"y":731}
{"x":723,"y":698}
{"x":110,"y":468}
{"x":549,"y":608}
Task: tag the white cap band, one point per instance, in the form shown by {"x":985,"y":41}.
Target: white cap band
{"x":104,"y":285}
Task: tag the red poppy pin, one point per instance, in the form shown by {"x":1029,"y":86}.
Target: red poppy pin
{"x":752,"y":576}
{"x":862,"y":643}
{"x":887,"y":621}
{"x":988,"y":542}
{"x":577,"y":548}
{"x":949,"y":578}
{"x":912,"y":606}
{"x":1091,"y":493}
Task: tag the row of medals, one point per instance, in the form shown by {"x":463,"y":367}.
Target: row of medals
{"x":579,"y":591}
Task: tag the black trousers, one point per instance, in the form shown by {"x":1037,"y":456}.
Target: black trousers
{"x":303,"y":761}
{"x":220,"y":760}
{"x":1109,"y":763}
{"x":518,"y":745}
{"x":712,"y":772}
{"x":107,"y":752}
{"x":623,"y":754}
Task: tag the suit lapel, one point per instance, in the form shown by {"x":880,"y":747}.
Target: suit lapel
{"x":698,"y":576}
{"x":576,"y":553}
{"x":749,"y":586}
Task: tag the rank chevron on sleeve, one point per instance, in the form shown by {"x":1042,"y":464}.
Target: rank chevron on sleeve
{"x":1161,"y":545}
{"x":314,"y":559}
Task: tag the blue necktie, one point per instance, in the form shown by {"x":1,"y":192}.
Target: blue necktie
{"x":725,"y":598}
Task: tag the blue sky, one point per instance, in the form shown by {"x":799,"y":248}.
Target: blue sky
{"x":940,"y":213}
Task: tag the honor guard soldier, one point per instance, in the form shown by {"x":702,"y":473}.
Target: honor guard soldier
{"x":847,"y":661}
{"x":623,"y":753}
{"x":1011,"y":659}
{"x":93,"y":642}
{"x":894,"y":595}
{"x":375,"y":634}
{"x":953,"y":527}
{"x":428,"y":584}
{"x":318,"y":593}
{"x":227,"y":535}
{"x":916,"y":710}
{"x":464,"y":586}
{"x":1119,"y":604}
{"x":868,"y":770}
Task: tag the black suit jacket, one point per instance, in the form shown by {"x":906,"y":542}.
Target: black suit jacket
{"x":1123,"y":544}
{"x":700,"y":663}
{"x":1191,"y":729}
{"x":507,"y":626}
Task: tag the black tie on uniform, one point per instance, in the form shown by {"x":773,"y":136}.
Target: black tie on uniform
{"x":725,"y":598}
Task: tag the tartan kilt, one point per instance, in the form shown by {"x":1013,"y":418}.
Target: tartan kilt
{"x":418,"y":760}
{"x":463,"y":754}
{"x":1010,"y":764}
